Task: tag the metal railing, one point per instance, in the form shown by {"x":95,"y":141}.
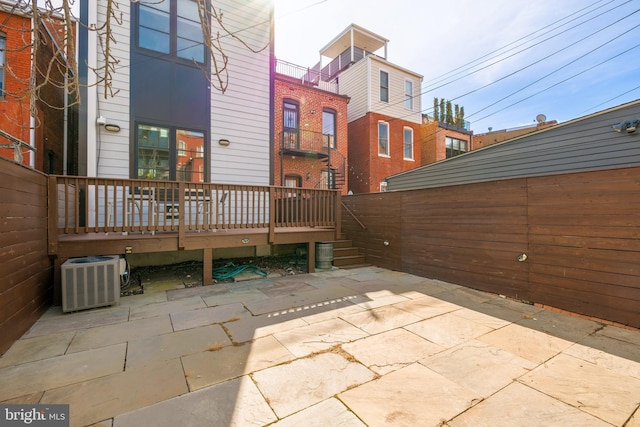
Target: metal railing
{"x":80,"y":205}
{"x":306,"y":75}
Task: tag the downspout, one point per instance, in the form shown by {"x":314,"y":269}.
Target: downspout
{"x":32,"y":101}
{"x":92,"y":90}
{"x":65,"y":125}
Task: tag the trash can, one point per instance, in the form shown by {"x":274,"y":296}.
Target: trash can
{"x":324,"y":255}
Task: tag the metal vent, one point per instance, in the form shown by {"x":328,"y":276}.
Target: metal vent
{"x":90,"y":282}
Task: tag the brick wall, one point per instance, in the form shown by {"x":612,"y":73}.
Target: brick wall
{"x":367,"y":169}
{"x":434,"y":147}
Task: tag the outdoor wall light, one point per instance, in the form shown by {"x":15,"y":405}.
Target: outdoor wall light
{"x":224,"y":142}
{"x":112,"y":127}
{"x":627,"y":126}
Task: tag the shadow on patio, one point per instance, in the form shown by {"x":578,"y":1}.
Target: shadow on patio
{"x":344,"y":347}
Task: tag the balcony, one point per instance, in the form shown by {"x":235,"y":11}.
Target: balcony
{"x":306,"y":76}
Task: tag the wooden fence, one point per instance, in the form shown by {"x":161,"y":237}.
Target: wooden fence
{"x":580,"y":233}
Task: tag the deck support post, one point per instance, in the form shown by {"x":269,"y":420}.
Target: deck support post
{"x":311,"y":257}
{"x":207,"y":266}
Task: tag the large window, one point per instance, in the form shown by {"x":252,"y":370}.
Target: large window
{"x":171,"y":27}
{"x":384,"y":86}
{"x":383,"y":139}
{"x":3,"y":43}
{"x":408,"y":143}
{"x":408,"y":94}
{"x":170,"y":154}
{"x":456,"y":146}
{"x":329,"y":127}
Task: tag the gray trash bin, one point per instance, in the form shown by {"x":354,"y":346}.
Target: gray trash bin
{"x":324,"y":255}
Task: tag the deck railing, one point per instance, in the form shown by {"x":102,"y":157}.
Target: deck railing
{"x":79,"y":205}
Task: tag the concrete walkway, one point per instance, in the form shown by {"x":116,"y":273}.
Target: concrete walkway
{"x":365,"y":347}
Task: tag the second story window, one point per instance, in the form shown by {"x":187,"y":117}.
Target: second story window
{"x":384,"y":86}
{"x":383,"y":139}
{"x":408,"y":143}
{"x":3,"y":42}
{"x":171,"y":27}
{"x":408,"y":94}
{"x":290,"y":124}
{"x":329,"y":127}
{"x":456,"y":146}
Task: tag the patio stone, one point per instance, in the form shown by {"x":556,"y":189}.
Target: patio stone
{"x":581,"y":384}
{"x":285,"y":303}
{"x":482,"y":318}
{"x":411,"y":396}
{"x":61,"y":322}
{"x":233,"y":403}
{"x":518,"y":405}
{"x":311,"y":384}
{"x":102,"y":398}
{"x":318,"y":336}
{"x":100,"y":336}
{"x":154,"y":310}
{"x":250,"y":328}
{"x":391,"y":350}
{"x":334,"y":310}
{"x":329,"y":412}
{"x":618,"y":356}
{"x":527,"y":343}
{"x":380,"y":298}
{"x":37,"y":348}
{"x":208,"y":316}
{"x":465,"y":297}
{"x":32,"y":398}
{"x":211,"y":367}
{"x":60,"y":371}
{"x":560,"y":325}
{"x":621,"y":334}
{"x":507,"y":310}
{"x":448,"y":330}
{"x":232,"y":297}
{"x":201,"y":291}
{"x":427,"y":307}
{"x":175,"y":344}
{"x":381,"y":319}
{"x":286,"y":289}
{"x":479,"y":367}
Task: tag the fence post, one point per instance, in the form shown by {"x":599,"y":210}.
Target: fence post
{"x":338,"y":214}
{"x":181,"y":214}
{"x":52,"y":215}
{"x":272,"y":214}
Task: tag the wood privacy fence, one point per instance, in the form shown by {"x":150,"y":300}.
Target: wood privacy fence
{"x":580,"y":233}
{"x":25,"y":267}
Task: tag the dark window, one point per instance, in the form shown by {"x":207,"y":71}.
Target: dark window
{"x":383,"y":139}
{"x":455,"y":146}
{"x":165,"y":153}
{"x":290,"y":124}
{"x":172,"y":27}
{"x":329,"y":127}
{"x":384,"y":86}
{"x":408,"y":143}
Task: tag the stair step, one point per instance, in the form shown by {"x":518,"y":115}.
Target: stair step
{"x":346,"y":251}
{"x":342,"y":243}
{"x":348,"y":260}
{"x":351,"y":266}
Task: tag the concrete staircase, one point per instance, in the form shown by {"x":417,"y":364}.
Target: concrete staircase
{"x":346,"y":256}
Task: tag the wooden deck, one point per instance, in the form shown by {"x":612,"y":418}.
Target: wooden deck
{"x":98,"y":216}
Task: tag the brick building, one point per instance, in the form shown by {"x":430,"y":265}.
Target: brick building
{"x":441,"y":141}
{"x":310,"y":133}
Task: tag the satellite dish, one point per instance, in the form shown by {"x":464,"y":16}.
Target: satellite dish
{"x":541,"y":118}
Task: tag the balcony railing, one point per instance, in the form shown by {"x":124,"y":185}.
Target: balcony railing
{"x":79,"y":205}
{"x":306,"y":75}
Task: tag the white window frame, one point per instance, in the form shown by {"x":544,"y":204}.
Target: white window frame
{"x":408,"y":95}
{"x":383,"y":154}
{"x":388,"y":87}
{"x":405,"y":143}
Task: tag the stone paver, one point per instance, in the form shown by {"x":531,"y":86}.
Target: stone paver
{"x":411,"y":396}
{"x":58,"y":322}
{"x":168,"y":346}
{"x":233,"y":403}
{"x":207,"y":316}
{"x":250,"y":328}
{"x":381,"y":319}
{"x":285,"y":303}
{"x":311,"y":384}
{"x":318,"y":336}
{"x":427,"y":307}
{"x":211,"y":367}
{"x":329,"y":412}
{"x":120,"y":332}
{"x":527,"y":343}
{"x":618,"y":356}
{"x":107,"y":396}
{"x":518,"y":405}
{"x":479,"y":366}
{"x":563,"y":378}
{"x":59,"y":371}
{"x":448,"y":330}
{"x":37,"y":348}
{"x":168,"y":307}
{"x":392,"y":350}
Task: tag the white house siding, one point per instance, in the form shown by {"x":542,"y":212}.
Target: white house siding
{"x":353,"y":82}
{"x":242,"y":114}
{"x":397,"y":76}
{"x":112,"y":149}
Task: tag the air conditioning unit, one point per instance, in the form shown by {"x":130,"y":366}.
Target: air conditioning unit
{"x":90,"y":282}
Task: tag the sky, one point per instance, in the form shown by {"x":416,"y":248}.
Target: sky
{"x":504,"y":61}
